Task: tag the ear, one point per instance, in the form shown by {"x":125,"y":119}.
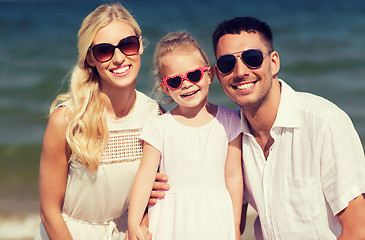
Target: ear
{"x":165,"y":88}
{"x":217,"y":73}
{"x":90,"y":60}
{"x":211,"y":74}
{"x":275,"y":63}
{"x":141,"y":45}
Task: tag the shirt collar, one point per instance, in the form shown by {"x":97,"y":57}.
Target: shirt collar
{"x":287,"y":112}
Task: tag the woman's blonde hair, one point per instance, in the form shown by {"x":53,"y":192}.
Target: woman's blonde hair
{"x":170,"y":42}
{"x":86,"y":131}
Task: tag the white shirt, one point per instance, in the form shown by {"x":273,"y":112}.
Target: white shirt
{"x":315,"y":167}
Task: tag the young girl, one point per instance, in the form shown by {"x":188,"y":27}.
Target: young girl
{"x":91,"y":151}
{"x":198,"y":145}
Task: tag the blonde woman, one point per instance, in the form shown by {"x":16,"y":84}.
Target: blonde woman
{"x":91,"y":151}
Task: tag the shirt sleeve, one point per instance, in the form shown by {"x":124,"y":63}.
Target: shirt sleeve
{"x":152,"y":134}
{"x":233,"y":123}
{"x":342,"y":163}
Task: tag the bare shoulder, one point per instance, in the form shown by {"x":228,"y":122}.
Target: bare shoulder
{"x":59,"y":117}
{"x":54,"y":140}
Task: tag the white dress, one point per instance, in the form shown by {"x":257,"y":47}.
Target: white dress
{"x":95,"y":205}
{"x":198,"y":205}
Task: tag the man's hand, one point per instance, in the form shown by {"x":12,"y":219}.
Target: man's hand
{"x":159,"y":187}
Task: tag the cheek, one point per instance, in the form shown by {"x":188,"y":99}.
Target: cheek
{"x":137,"y":63}
{"x":224,"y":82}
{"x":102,"y":68}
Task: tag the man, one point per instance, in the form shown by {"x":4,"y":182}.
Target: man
{"x":304,"y":166}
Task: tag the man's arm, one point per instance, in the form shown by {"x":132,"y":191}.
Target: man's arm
{"x":352,"y":219}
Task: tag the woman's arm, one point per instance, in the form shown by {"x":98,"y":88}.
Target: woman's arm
{"x":53,"y":175}
{"x":141,"y":190}
{"x":234,"y":180}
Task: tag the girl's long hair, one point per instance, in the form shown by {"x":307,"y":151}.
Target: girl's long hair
{"x":86,"y":131}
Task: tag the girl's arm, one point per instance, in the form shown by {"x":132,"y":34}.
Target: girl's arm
{"x":142,"y":189}
{"x":53,"y":175}
{"x":234,"y":180}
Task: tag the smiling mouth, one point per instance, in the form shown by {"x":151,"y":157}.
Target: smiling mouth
{"x":121,"y":70}
{"x":189,"y":94}
{"x":244,"y":86}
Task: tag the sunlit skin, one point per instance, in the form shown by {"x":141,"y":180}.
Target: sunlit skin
{"x":119,"y":73}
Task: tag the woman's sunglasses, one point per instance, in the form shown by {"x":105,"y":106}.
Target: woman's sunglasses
{"x":252,"y":58}
{"x":193,"y":76}
{"x":103,"y":52}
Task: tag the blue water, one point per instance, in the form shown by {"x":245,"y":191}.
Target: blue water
{"x":321,"y":45}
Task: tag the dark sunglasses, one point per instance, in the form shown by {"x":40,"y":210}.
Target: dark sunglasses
{"x":193,"y":76}
{"x":252,"y":58}
{"x":103,"y":52}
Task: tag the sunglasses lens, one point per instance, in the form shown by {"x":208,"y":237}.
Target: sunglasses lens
{"x":174,"y":82}
{"x":129,"y":45}
{"x":226,"y":63}
{"x":252,"y":58}
{"x":103,"y":52}
{"x":194,"y":76}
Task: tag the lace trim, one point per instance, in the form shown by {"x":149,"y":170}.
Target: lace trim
{"x":123,"y":146}
{"x":119,"y":161}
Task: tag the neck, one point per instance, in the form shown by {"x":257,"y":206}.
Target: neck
{"x":195,"y":116}
{"x":119,"y":104}
{"x":262,"y":118}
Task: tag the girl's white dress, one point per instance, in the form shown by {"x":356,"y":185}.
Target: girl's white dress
{"x":96,"y":203}
{"x":198,"y":205}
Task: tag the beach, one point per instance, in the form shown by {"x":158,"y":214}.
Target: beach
{"x":22,"y":219}
{"x":321,"y":49}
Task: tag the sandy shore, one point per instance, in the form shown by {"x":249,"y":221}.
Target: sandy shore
{"x":19,"y":219}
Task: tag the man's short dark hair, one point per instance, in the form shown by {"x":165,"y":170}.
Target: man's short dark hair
{"x":239,"y":24}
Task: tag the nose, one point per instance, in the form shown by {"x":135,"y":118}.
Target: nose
{"x":185,"y":83}
{"x":241,"y":69}
{"x":118,"y":56}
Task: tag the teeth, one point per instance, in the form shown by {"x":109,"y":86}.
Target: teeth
{"x":120,"y":70}
{"x":245,"y":86}
{"x":189,"y":94}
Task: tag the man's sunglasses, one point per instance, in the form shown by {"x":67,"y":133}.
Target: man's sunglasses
{"x":252,"y":58}
{"x":103,"y":52}
{"x":193,"y":76}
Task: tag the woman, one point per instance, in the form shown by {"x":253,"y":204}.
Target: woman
{"x":91,"y":150}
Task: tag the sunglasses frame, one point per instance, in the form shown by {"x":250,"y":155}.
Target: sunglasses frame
{"x":239,"y":55}
{"x":185,"y":77}
{"x":119,"y":46}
